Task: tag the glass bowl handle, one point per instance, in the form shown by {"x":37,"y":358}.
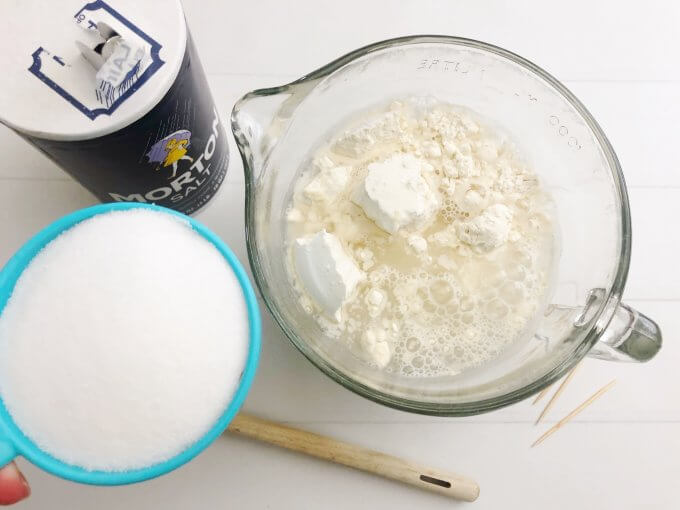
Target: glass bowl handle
{"x":629,"y":336}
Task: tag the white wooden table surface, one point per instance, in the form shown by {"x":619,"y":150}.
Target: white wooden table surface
{"x":621,"y":59}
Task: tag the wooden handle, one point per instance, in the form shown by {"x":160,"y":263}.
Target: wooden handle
{"x":447,"y":484}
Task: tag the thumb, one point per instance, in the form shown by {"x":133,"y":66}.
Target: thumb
{"x":13,"y":485}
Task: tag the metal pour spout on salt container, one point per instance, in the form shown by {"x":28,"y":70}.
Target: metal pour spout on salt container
{"x":116,"y":61}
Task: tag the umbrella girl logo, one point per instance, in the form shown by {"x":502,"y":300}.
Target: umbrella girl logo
{"x":170,"y":150}
{"x":189,"y":177}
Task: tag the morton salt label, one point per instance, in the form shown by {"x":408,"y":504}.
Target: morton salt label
{"x":115,"y":94}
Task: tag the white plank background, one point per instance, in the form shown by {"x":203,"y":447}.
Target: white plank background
{"x":621,"y":59}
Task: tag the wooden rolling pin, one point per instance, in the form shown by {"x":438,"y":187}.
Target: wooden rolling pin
{"x":448,"y":484}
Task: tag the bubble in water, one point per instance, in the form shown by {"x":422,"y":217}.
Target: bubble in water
{"x":496,"y":309}
{"x":470,"y":334}
{"x":512,"y":292}
{"x":450,"y":359}
{"x":441,"y":291}
{"x":417,"y":362}
{"x":412,"y":344}
{"x":466,"y":304}
{"x":488,"y":294}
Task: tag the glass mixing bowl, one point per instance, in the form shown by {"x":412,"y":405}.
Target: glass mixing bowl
{"x":276,"y":128}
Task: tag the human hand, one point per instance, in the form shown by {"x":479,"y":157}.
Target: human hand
{"x":13,"y":485}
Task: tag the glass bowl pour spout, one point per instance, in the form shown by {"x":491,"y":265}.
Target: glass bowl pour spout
{"x":260,"y":119}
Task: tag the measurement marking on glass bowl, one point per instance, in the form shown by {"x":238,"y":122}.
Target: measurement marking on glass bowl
{"x":563,"y":130}
{"x":444,"y":65}
{"x":529,"y":96}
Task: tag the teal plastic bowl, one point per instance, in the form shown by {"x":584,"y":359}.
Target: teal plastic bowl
{"x":14,"y":443}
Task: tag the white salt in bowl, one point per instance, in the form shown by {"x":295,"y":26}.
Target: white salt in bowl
{"x":13,"y":442}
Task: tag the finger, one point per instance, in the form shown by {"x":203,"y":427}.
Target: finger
{"x":13,"y":485}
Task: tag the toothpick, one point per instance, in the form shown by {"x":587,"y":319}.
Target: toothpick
{"x":580,"y":408}
{"x":557,"y":394}
{"x":542,"y":394}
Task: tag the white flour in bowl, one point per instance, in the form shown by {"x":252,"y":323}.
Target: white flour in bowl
{"x":123,"y":341}
{"x":438,"y":238}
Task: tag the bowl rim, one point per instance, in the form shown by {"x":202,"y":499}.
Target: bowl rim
{"x":12,"y":439}
{"x":600,"y":319}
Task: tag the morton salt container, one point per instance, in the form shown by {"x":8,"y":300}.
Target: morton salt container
{"x":114,"y":93}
